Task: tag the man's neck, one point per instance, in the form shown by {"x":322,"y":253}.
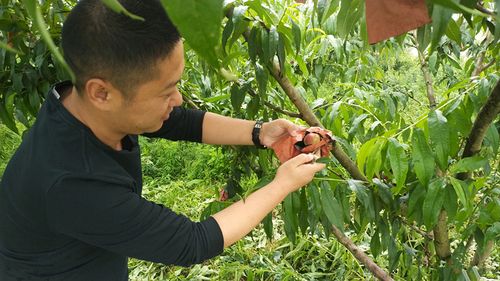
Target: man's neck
{"x":90,"y":118}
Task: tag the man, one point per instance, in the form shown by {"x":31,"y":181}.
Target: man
{"x":70,"y":199}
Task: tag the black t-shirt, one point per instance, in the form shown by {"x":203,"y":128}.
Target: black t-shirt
{"x":71,"y":207}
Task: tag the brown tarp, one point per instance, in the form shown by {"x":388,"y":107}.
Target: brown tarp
{"x":388,"y":18}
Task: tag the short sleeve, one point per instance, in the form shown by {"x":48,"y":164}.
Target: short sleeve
{"x":108,"y":214}
{"x":183,"y":124}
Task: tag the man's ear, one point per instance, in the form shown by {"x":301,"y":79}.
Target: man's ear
{"x":101,"y":94}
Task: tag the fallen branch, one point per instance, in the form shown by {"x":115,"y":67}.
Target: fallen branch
{"x":360,"y":255}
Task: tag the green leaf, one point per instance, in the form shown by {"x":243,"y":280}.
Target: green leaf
{"x":364,"y":153}
{"x":331,"y":207}
{"x":423,"y":161}
{"x":453,"y":32}
{"x":273,"y":41}
{"x":237,"y":97}
{"x":253,"y":107}
{"x":415,"y":200}
{"x":316,"y":201}
{"x":226,"y":33}
{"x":375,"y":246}
{"x":290,"y":218}
{"x":468,"y":164}
{"x":423,"y":37}
{"x":118,"y":8}
{"x":460,"y":191}
{"x":364,"y":197}
{"x":240,"y":23}
{"x":440,"y":18}
{"x":433,"y":203}
{"x":450,"y":202}
{"x":399,"y":163}
{"x":492,"y":138}
{"x":303,"y":212}
{"x":262,"y":78}
{"x":268,"y":225}
{"x":253,"y":43}
{"x":266,"y":55}
{"x":297,"y":36}
{"x":324,"y":160}
{"x":347,"y":17}
{"x":282,"y":52}
{"x":36,"y":14}
{"x":440,"y":137}
{"x":7,"y":119}
{"x":199,"y":23}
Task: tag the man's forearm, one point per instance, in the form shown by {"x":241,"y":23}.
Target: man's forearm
{"x":218,"y":129}
{"x":240,"y":218}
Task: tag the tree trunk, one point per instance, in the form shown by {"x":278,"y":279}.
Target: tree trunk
{"x":486,"y":116}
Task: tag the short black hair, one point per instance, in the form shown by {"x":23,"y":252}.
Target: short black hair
{"x":100,"y":43}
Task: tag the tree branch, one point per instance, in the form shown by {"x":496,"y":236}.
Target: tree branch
{"x":481,"y":8}
{"x":360,"y":255}
{"x":481,"y":256}
{"x":486,"y":116}
{"x":190,"y":102}
{"x":424,"y":66}
{"x":441,"y":240}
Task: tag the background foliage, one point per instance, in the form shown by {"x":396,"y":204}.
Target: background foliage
{"x":402,"y":110}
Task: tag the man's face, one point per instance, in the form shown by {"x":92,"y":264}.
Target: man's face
{"x":153,"y":101}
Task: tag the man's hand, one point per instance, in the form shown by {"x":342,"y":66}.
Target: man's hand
{"x":241,"y":217}
{"x":276,"y":129}
{"x":297,"y":172}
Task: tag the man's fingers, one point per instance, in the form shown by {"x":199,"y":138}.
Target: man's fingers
{"x":301,"y":159}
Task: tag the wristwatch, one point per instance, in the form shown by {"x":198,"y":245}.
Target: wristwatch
{"x":256,"y":133}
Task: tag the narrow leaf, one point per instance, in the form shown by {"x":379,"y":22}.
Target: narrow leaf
{"x":297,"y":36}
{"x":399,"y":163}
{"x":468,"y":164}
{"x":118,"y":8}
{"x":282,"y":52}
{"x":459,"y":190}
{"x":262,"y":78}
{"x":273,"y":41}
{"x":440,"y":18}
{"x":237,"y":97}
{"x":290,"y":218}
{"x":453,"y":32}
{"x":440,"y":137}
{"x":433,"y":203}
{"x":331,"y":207}
{"x":423,"y":161}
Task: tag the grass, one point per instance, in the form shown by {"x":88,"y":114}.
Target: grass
{"x":8,"y":144}
{"x":253,"y":258}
